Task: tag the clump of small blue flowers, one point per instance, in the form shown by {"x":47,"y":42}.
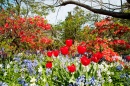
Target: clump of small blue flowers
{"x":119,"y":67}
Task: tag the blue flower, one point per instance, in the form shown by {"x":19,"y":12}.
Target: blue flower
{"x":17,"y":59}
{"x":21,"y":81}
{"x":119,"y":67}
{"x":92,"y":81}
{"x":35,"y":63}
{"x":30,"y":66}
{"x":26,"y":61}
{"x":48,"y":71}
{"x":26,"y":84}
{"x":81,"y":79}
{"x":122,"y":76}
{"x":70,"y":84}
{"x":125,"y":75}
{"x":4,"y":84}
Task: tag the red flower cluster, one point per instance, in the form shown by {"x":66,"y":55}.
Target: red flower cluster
{"x":54,"y":52}
{"x":81,"y":49}
{"x":49,"y":64}
{"x":64,"y":50}
{"x":85,"y":61}
{"x":120,"y":42}
{"x":96,"y":57}
{"x":103,"y":22}
{"x":27,"y":30}
{"x":71,"y":68}
{"x":69,"y":42}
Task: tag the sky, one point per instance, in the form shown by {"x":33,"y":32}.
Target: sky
{"x":61,"y":12}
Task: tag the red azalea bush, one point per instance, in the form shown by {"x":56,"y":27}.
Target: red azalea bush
{"x":108,"y":36}
{"x":25,"y":33}
{"x":116,"y":35}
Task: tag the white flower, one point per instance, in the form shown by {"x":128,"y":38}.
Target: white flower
{"x":94,"y":66}
{"x":44,"y":80}
{"x":110,"y":80}
{"x":33,"y":84}
{"x":127,"y":64}
{"x":33,"y":80}
{"x":99,"y":73}
{"x":105,"y":69}
{"x":20,"y":54}
{"x":105,"y":65}
{"x":5,"y":73}
{"x":87,"y":68}
{"x":116,"y":58}
{"x":117,"y":63}
{"x":102,"y":80}
{"x":1,"y":66}
{"x":112,"y":73}
{"x":76,"y":64}
{"x":109,"y":77}
{"x":108,"y":73}
{"x":101,"y":66}
{"x":38,"y":51}
{"x":8,"y":66}
{"x":40,"y":69}
{"x":11,"y":62}
{"x":111,"y":65}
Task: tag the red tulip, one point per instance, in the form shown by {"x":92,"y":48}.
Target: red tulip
{"x":55,"y":53}
{"x":85,"y":61}
{"x":69,"y":42}
{"x":128,"y":58}
{"x":99,"y":55}
{"x":49,"y":53}
{"x":96,"y":57}
{"x":71,"y":68}
{"x":49,"y":64}
{"x":64,"y":50}
{"x":81,"y":49}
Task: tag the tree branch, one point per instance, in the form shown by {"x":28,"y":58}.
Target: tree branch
{"x":98,"y":11}
{"x":128,"y":1}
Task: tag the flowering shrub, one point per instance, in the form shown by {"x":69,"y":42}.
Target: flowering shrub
{"x":115,"y":34}
{"x":24,"y":33}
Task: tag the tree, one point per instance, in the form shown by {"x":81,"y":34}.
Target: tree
{"x":25,"y":7}
{"x":71,"y":28}
{"x":104,"y":8}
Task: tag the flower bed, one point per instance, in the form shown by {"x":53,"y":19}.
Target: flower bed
{"x":59,"y":68}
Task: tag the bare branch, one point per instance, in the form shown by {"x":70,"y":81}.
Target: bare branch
{"x":128,"y":1}
{"x":98,"y":11}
